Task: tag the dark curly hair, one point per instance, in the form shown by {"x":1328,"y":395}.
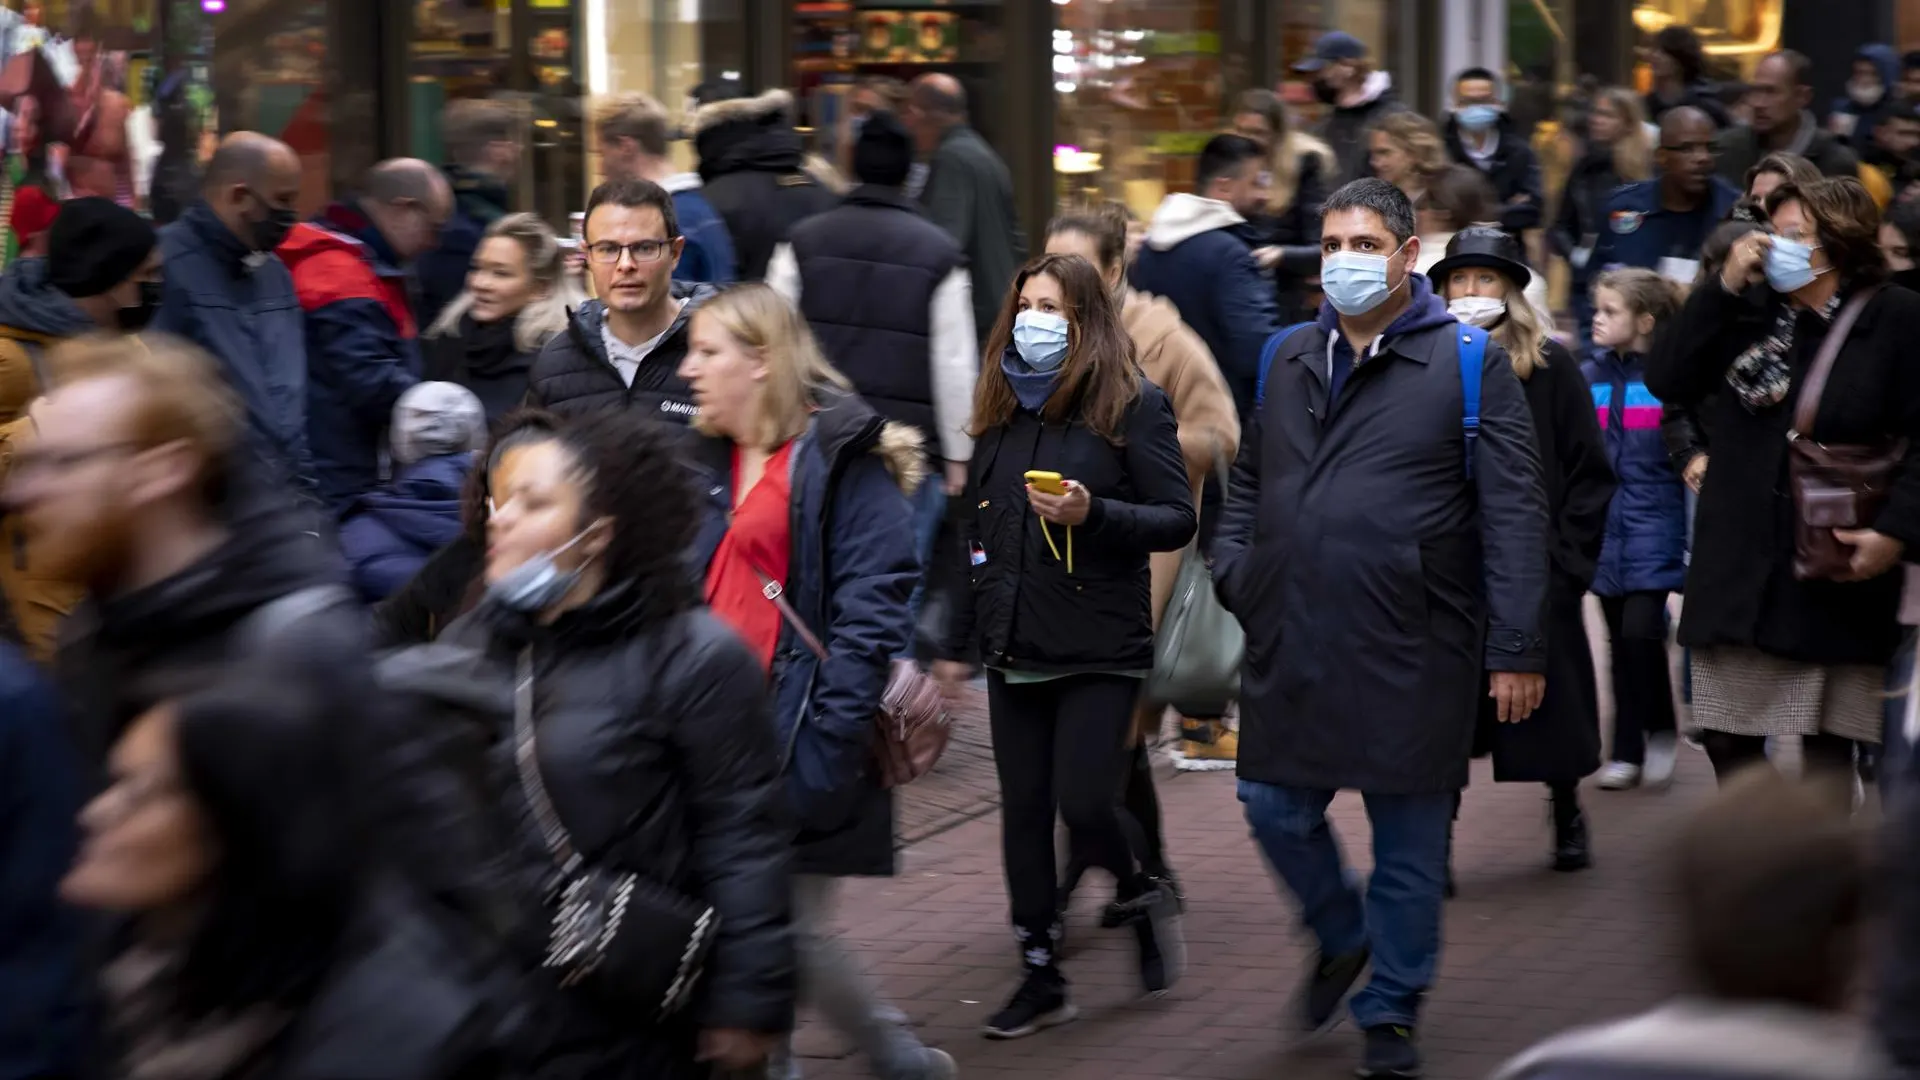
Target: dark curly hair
{"x":632,"y":474}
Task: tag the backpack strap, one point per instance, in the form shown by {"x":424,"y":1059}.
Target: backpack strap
{"x":1267,"y":353}
{"x":1473,"y":355}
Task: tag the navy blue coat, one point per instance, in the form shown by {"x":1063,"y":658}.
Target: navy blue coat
{"x":1211,"y":278}
{"x":39,"y":936}
{"x":391,"y":532}
{"x":852,"y":569}
{"x":1646,"y":540}
{"x":240,"y":306}
{"x":1638,"y":231}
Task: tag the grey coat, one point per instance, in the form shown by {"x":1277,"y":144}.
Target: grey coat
{"x":1376,"y":581}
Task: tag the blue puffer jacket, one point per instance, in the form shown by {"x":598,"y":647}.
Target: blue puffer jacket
{"x":1197,"y":255}
{"x":853,"y":566}
{"x":390,"y":533}
{"x":1646,"y":543}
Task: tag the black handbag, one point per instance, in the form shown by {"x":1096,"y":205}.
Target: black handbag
{"x":633,"y":941}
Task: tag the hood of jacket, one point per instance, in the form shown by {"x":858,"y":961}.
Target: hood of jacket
{"x":748,"y":135}
{"x":1183,"y":216}
{"x":422,"y":504}
{"x":845,"y":425}
{"x":340,"y":227}
{"x":1886,"y":60}
{"x":1424,"y":312}
{"x":29,"y":303}
{"x":588,"y":319}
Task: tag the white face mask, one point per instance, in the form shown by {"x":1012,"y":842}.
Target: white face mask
{"x":1480,"y":311}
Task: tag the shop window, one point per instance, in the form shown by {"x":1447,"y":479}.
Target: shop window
{"x":1737,"y":34}
{"x":269,"y":75}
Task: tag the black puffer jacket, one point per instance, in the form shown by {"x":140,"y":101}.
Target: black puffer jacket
{"x":753,"y":172}
{"x":656,"y":748}
{"x":572,"y":375}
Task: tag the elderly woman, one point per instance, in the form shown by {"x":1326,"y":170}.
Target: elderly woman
{"x":1780,"y":650}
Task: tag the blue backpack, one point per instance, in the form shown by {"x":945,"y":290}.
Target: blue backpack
{"x":1473,"y":354}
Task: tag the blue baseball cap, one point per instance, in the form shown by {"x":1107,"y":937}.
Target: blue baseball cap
{"x":1333,"y":47}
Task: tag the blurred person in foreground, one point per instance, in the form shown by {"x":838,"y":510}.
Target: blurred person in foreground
{"x":483,"y":141}
{"x":390,"y":532}
{"x":634,"y":131}
{"x":1773,"y":886}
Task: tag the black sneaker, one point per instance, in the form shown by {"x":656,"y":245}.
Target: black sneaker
{"x":1040,"y":1003}
{"x":1329,"y":984}
{"x":1163,"y":945}
{"x":1390,"y":1053}
{"x":1124,"y":912}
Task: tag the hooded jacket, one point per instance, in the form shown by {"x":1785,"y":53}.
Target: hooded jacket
{"x":572,"y":374}
{"x":390,"y":532}
{"x":1854,"y":121}
{"x":752,"y":171}
{"x":1197,"y":257}
{"x":1513,"y":170}
{"x":708,"y":256}
{"x":1376,"y":580}
{"x":1347,"y":126}
{"x":853,"y":566}
{"x":361,"y":348}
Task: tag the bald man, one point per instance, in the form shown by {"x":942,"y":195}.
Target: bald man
{"x":350,"y":272}
{"x":969,"y":192}
{"x":226,"y":291}
{"x":1659,"y":224}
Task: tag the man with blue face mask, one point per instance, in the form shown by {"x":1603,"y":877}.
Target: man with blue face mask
{"x":1481,"y":134}
{"x":1385,"y":546}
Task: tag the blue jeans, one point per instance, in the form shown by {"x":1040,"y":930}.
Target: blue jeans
{"x":1400,"y":914}
{"x":929,"y":512}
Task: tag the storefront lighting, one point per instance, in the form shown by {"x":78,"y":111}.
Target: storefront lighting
{"x":213,"y":7}
{"x":1134,"y":35}
{"x":1073,"y":161}
{"x":1064,"y":65}
{"x":1064,"y":87}
{"x":596,"y":21}
{"x":1063,"y":46}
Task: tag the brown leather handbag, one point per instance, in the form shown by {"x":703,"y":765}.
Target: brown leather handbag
{"x":1834,"y":487}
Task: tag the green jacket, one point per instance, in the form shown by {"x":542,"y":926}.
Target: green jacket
{"x":970,"y":194}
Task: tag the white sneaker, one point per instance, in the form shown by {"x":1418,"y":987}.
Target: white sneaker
{"x":1662,"y":750}
{"x":1619,"y":776}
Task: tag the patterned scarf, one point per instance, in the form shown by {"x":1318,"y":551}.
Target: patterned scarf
{"x":1761,"y":375}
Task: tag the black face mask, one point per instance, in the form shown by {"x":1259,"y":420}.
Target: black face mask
{"x":1325,"y":91}
{"x":135,"y":319}
{"x":269,"y":232}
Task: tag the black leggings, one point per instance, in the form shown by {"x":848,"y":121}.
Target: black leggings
{"x":1826,"y":754}
{"x":1642,"y":687}
{"x":1059,"y":746}
{"x":1142,"y":819}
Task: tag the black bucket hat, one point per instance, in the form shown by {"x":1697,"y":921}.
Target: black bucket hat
{"x":1483,"y":245}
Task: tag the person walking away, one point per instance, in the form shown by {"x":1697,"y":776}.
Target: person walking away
{"x":1173,"y":358}
{"x":622,"y":351}
{"x":968,"y":191}
{"x":228,"y":292}
{"x":881,"y":287}
{"x":1481,"y":134}
{"x":1197,"y":255}
{"x":872,"y":94}
{"x":42,"y":1029}
{"x":1483,"y":278}
{"x":1357,"y":98}
{"x":1406,"y":150}
{"x":1644,"y":557}
{"x":390,"y":532}
{"x":753,"y":172}
{"x":1782,"y":95}
{"x":517,"y":299}
{"x":483,"y":139}
{"x":104,"y":275}
{"x":1870,"y":92}
{"x":810,"y":497}
{"x":645,"y":716}
{"x":1299,"y":167}
{"x":1076,"y":480}
{"x":1400,"y":541}
{"x":1679,"y":63}
{"x":350,"y":269}
{"x":1774,"y":887}
{"x":1774,"y":653}
{"x":1660,"y":224}
{"x":1617,"y":152}
{"x":634,"y":132}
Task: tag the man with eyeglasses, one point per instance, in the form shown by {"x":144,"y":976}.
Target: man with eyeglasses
{"x":1659,"y":224}
{"x":623,"y":350}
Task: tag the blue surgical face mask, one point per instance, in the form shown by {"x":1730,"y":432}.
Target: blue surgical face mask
{"x":1790,"y":265}
{"x":537,"y":584}
{"x":1041,"y":339}
{"x":1355,"y":282}
{"x":1478,"y":117}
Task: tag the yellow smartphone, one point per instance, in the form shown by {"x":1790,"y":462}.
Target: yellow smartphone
{"x":1050,"y":483}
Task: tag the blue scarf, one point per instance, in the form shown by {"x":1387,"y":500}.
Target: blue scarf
{"x":1031,"y":388}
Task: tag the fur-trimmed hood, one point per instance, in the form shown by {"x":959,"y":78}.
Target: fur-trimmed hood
{"x":748,"y":135}
{"x":900,"y":447}
{"x":843,"y":423}
{"x":774,"y":105}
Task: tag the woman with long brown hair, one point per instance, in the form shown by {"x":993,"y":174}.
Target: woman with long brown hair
{"x":1618,"y":151}
{"x":1076,"y":479}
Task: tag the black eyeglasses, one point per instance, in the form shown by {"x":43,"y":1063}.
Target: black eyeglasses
{"x":607,"y":253}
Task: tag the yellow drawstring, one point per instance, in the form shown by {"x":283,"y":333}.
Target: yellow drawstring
{"x":1044,"y":531}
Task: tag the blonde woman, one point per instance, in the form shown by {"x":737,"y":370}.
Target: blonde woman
{"x":809,"y":491}
{"x":1483,"y":278}
{"x":1407,"y":151}
{"x":516,"y":298}
{"x":1618,"y":151}
{"x":1300,"y":168}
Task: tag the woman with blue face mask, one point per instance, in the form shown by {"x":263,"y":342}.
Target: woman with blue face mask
{"x":1077,"y":478}
{"x":1780,"y":646}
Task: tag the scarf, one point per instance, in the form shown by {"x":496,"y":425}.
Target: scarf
{"x":1030,"y":388}
{"x":488,"y":349}
{"x":1761,"y":375}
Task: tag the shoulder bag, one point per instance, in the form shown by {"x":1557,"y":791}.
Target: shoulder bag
{"x":1197,"y":653}
{"x":1834,"y":487}
{"x":632,"y":941}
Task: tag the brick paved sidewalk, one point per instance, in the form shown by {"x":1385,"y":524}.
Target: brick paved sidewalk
{"x":1528,"y":952}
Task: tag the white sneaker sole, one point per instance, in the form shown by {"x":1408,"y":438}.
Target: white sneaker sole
{"x":1061,"y":1015}
{"x":1183,"y":763}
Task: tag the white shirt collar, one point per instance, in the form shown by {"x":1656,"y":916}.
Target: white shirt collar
{"x":625,"y":358}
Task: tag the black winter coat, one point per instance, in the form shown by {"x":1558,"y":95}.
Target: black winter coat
{"x":1296,"y":232}
{"x":1514,"y":171}
{"x":572,"y":375}
{"x":1027,"y":610}
{"x":1740,"y":585}
{"x":1583,"y":207}
{"x":1560,"y":742}
{"x":1375,"y":580}
{"x":484,"y":359}
{"x":657,"y":750}
{"x":753,"y":173}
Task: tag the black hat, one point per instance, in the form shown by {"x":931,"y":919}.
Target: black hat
{"x":883,"y":154}
{"x":1332,"y":48}
{"x":1484,"y":245}
{"x":94,"y":245}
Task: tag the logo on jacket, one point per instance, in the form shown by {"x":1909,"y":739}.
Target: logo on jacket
{"x":1626,"y":221}
{"x":680,"y":408}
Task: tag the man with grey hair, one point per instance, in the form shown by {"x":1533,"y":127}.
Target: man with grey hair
{"x":968,"y":192}
{"x":350,"y":272}
{"x":1385,"y":544}
{"x":482,"y":139}
{"x":390,"y":532}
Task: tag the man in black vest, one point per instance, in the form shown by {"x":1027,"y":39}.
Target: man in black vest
{"x":889,"y":298}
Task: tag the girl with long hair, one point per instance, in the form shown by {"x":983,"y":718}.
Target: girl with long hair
{"x":1300,"y":169}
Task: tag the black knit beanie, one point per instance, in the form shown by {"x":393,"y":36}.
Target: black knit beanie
{"x":883,"y":154}
{"x":94,"y":245}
